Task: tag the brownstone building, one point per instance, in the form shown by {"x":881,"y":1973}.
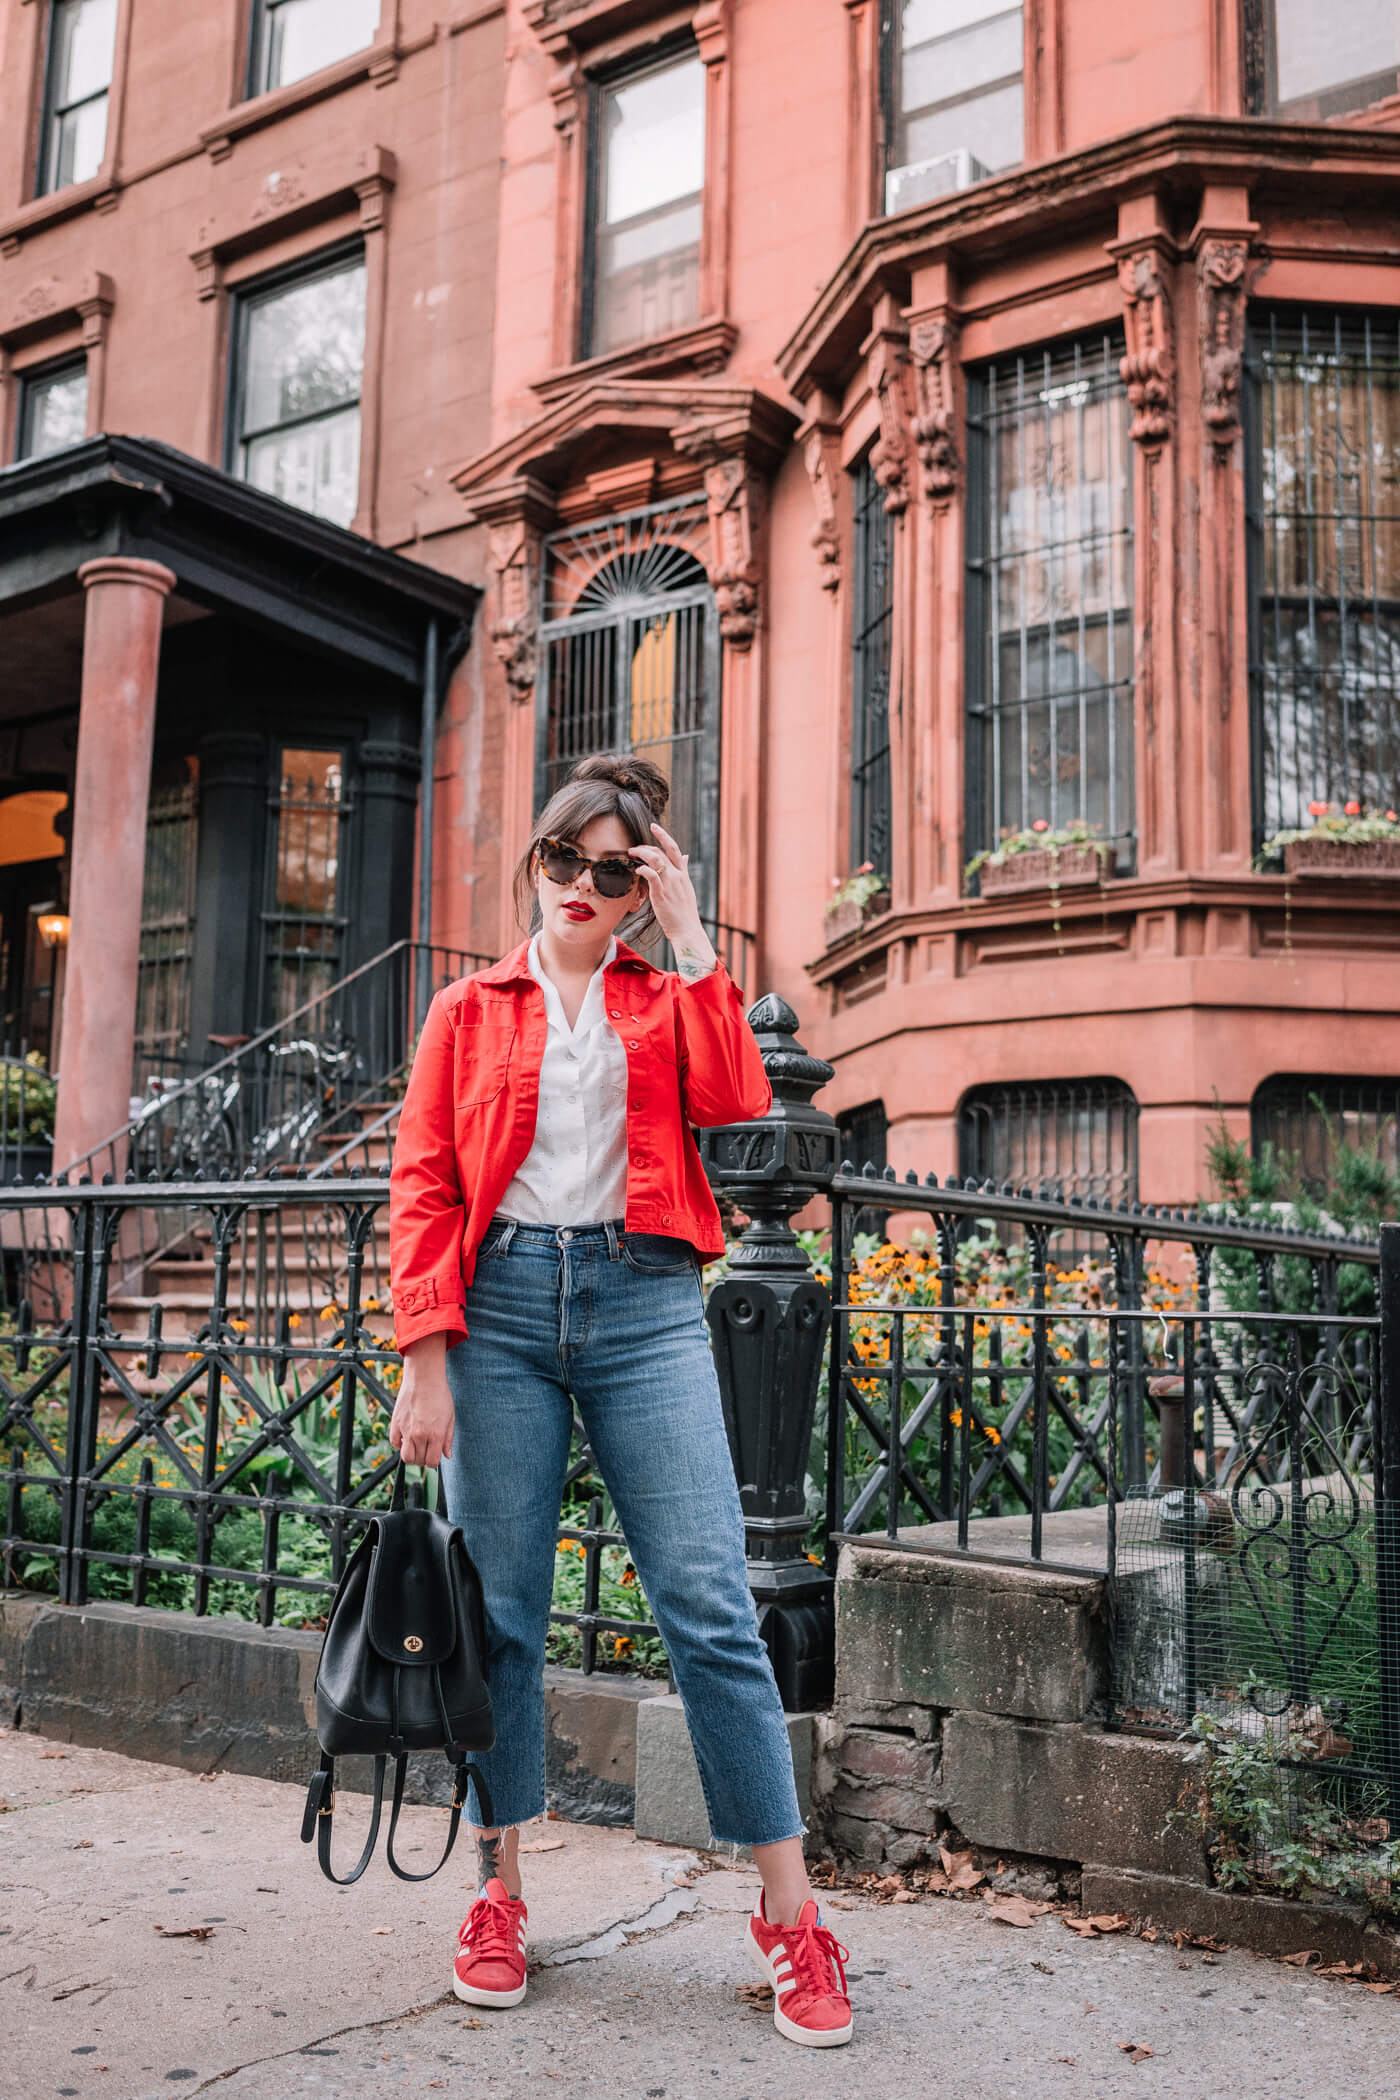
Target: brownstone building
{"x":919,"y":423}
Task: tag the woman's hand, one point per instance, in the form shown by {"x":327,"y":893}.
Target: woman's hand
{"x":422,"y":1424}
{"x":671,"y":895}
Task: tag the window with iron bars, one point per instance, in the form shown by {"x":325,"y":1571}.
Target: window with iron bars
{"x":1308,"y":1120}
{"x":862,"y":1137}
{"x":1323,"y":422}
{"x":1078,"y":1137}
{"x":1049,"y":599}
{"x":871,"y":622}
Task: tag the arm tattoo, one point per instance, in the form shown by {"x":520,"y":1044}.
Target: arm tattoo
{"x":692,"y":965}
{"x":488,"y":1852}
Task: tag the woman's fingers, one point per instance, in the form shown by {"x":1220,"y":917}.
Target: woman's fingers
{"x":672,"y":850}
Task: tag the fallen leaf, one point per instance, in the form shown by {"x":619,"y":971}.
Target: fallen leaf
{"x":185,"y":1932}
{"x":1149,"y":1932}
{"x":1064,"y":2059}
{"x":83,"y":1845}
{"x":207,"y":1778}
{"x":1013,"y":1910}
{"x":1083,"y":1926}
{"x":1209,"y":1961}
{"x":1111,"y":1921}
{"x":1303,"y":1957}
{"x":958,"y":1867}
{"x":907,"y":1896}
{"x":465,"y":2023}
{"x":383,"y":1932}
{"x":755,"y":1993}
{"x":44,"y":1754}
{"x":1044,"y":1968}
{"x":838,"y":1903}
{"x":1088,"y":2007}
{"x":544,"y":1845}
{"x":1343,"y":1968}
{"x":1137,"y":2052}
{"x":1380,"y":1990}
{"x":936,"y":1882}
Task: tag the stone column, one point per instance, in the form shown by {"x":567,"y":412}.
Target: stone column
{"x":116,"y":726}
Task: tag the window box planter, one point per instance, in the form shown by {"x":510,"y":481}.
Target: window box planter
{"x":1324,"y":856}
{"x":849,"y":917}
{"x":1043,"y":868}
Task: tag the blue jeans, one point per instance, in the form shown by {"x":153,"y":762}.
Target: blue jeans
{"x":615,"y":1324}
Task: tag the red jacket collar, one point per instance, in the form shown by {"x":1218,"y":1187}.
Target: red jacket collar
{"x":514,"y":968}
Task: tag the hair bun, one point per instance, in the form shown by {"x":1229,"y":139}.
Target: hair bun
{"x":635,"y":776}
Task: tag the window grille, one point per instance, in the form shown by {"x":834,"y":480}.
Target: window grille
{"x":1313,"y":61}
{"x":78,"y":78}
{"x":167,"y":930}
{"x":1324,"y":539}
{"x":872,"y":620}
{"x":630,"y":662}
{"x":862,"y":1137}
{"x":1076,"y":1136}
{"x":303,"y":917}
{"x":292,"y":38}
{"x":297,"y":374}
{"x":52,"y":409}
{"x":1049,"y":602}
{"x":1308,"y":1120}
{"x":647,"y":201}
{"x":954,"y":81}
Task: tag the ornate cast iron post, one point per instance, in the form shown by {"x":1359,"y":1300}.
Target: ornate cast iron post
{"x":769,"y":1320}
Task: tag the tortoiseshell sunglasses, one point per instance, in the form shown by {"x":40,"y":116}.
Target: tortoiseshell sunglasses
{"x":563,"y":864}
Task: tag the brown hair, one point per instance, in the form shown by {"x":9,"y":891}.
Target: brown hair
{"x":631,"y":789}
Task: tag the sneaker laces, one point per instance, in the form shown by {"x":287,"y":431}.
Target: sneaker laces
{"x":815,"y":1953}
{"x":491,"y":1929}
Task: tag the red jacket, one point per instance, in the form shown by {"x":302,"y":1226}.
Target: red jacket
{"x":468,"y":1118}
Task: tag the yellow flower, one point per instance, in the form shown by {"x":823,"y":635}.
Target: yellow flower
{"x":992,"y":1434}
{"x":239,"y":1326}
{"x":294,"y":1319}
{"x":330,"y":1312}
{"x":956,"y":1418}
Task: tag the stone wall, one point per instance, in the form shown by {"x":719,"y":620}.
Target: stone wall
{"x":969,"y":1696}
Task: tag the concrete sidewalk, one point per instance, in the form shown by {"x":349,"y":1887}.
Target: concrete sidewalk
{"x":301,"y":1989}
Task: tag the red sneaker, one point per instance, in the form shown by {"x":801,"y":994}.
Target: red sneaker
{"x":490,"y":1964}
{"x":806,"y":1966}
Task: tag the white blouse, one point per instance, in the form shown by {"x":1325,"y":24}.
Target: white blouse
{"x":575,"y":1172}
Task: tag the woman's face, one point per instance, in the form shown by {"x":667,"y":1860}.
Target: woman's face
{"x":573,"y":914}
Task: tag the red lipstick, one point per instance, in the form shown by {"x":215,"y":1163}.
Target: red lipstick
{"x":580,"y":911}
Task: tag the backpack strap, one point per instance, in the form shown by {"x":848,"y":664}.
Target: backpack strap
{"x":459,"y":1801}
{"x":320,"y":1809}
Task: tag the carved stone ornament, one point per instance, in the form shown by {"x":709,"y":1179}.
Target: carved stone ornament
{"x":889,"y":456}
{"x":732,"y":495}
{"x":1148,"y":368}
{"x":933,"y":345}
{"x":513,"y":557}
{"x":818,"y":456}
{"x":1220,"y":269}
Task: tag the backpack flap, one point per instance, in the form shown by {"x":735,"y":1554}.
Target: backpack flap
{"x":410,"y":1611}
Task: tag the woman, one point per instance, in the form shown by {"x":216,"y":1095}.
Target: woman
{"x":549,"y":1214}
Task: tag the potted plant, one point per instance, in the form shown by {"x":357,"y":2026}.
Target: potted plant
{"x":860,"y":897}
{"x":1039,"y":859}
{"x":1345,"y":840}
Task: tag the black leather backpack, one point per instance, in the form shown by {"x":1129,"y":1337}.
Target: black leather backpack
{"x":403,"y":1667}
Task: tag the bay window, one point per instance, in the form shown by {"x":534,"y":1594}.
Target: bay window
{"x":1049,"y":602}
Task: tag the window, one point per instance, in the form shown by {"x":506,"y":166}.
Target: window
{"x":52,"y":409}
{"x":1076,"y":1136}
{"x":872,"y":617}
{"x":648,"y":180}
{"x":955,"y":83}
{"x":1309,"y":1120}
{"x":1049,"y":619}
{"x":296,"y":422}
{"x":82,"y":38}
{"x":292,"y":38}
{"x":862,"y":1137}
{"x":630,"y":662}
{"x":1324,"y":459}
{"x":167,"y":920}
{"x":302,"y":917}
{"x":1321,"y":61}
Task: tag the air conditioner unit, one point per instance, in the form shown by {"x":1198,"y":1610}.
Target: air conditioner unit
{"x":922,"y":180}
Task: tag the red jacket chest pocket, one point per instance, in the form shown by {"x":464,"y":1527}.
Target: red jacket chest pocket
{"x":485,"y":1041}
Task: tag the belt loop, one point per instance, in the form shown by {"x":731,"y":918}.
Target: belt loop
{"x":612,"y":1238}
{"x":503,"y":1244}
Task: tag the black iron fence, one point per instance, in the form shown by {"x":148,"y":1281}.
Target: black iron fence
{"x":215,"y":1440}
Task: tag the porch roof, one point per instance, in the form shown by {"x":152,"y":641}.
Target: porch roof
{"x":233,"y":549}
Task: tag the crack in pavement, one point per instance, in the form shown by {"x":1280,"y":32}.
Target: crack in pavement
{"x":660,"y":1916}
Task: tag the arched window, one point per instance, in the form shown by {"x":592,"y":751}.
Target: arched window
{"x":1079,"y":1136}
{"x":630,"y":662}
